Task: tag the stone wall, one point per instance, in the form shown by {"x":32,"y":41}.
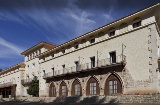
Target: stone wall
{"x":153,"y":99}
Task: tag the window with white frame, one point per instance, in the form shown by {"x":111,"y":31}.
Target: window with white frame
{"x":93,"y":88}
{"x":64,"y":90}
{"x":113,"y":87}
{"x":77,"y":89}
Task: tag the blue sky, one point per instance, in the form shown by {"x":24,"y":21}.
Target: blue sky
{"x":24,"y":23}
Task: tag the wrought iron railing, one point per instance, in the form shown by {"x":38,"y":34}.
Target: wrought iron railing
{"x":87,"y":66}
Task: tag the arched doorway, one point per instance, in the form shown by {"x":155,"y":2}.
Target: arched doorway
{"x":113,"y":85}
{"x":63,"y":91}
{"x":76,"y":88}
{"x":52,"y":90}
{"x":92,"y":87}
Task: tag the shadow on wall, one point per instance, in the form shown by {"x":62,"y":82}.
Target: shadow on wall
{"x":94,"y":100}
{"x":76,"y":100}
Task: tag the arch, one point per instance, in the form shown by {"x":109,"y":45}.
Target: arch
{"x":52,"y":90}
{"x":123,"y":27}
{"x":63,"y":90}
{"x":76,"y":88}
{"x":92,"y":87}
{"x":113,"y":85}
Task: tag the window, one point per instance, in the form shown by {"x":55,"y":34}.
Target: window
{"x":64,"y":92}
{"x":53,"y":70}
{"x":33,"y":65}
{"x":28,"y":66}
{"x":77,"y":89}
{"x":111,"y":33}
{"x":92,"y":40}
{"x":39,"y":51}
{"x":93,"y":88}
{"x":44,"y":73}
{"x":112,"y":57}
{"x":92,"y":62}
{"x":53,"y":91}
{"x":63,"y":66}
{"x":28,"y":57}
{"x":76,"y":45}
{"x":113,"y":87}
{"x":77,"y":64}
{"x":52,"y":55}
{"x":43,"y":58}
{"x":137,"y":24}
{"x":63,"y":51}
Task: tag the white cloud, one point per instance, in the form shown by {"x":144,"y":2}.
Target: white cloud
{"x":8,"y":49}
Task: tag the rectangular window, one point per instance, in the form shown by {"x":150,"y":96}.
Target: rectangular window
{"x":93,"y":88}
{"x":77,"y":89}
{"x":77,"y":65}
{"x":63,"y":51}
{"x":39,"y":51}
{"x":112,"y":57}
{"x":64,"y":91}
{"x":33,"y":65}
{"x":53,"y":71}
{"x":92,"y":62}
{"x":113,"y":87}
{"x":112,"y":33}
{"x":63,"y":68}
{"x":54,"y":91}
{"x":52,"y":55}
{"x":92,"y":40}
{"x":110,"y":88}
{"x":137,"y":24}
{"x":76,"y":46}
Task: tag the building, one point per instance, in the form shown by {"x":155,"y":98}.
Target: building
{"x":122,"y":57}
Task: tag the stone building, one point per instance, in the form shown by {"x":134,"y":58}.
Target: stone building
{"x":122,"y":57}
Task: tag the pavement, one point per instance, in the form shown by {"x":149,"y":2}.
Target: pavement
{"x":42,"y":103}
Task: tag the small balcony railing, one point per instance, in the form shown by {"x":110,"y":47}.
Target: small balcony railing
{"x":87,"y":66}
{"x":26,"y":81}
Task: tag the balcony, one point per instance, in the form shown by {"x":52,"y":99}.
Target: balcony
{"x":8,"y":84}
{"x":103,"y":63}
{"x":26,"y":81}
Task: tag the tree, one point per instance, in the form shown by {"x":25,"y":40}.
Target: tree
{"x":34,"y":87}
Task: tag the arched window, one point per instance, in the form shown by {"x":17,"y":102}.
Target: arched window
{"x":92,"y":87}
{"x":63,"y":91}
{"x":113,"y":85}
{"x":136,"y":22}
{"x":52,"y":90}
{"x":76,"y":88}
